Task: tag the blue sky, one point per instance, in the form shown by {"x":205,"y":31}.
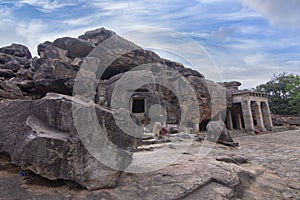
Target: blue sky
{"x":248,"y":40}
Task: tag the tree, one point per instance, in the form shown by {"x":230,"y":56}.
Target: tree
{"x":284,"y":91}
{"x":294,"y":103}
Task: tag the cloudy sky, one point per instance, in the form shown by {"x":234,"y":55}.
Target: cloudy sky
{"x":248,"y":40}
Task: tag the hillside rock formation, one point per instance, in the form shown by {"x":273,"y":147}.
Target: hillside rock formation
{"x":30,"y":116}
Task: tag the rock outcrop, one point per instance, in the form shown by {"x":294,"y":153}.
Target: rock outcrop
{"x":16,"y":50}
{"x":41,"y":136}
{"x":231,"y":88}
{"x":16,"y":73}
{"x":59,"y":62}
{"x":38,"y":129}
{"x":278,"y":120}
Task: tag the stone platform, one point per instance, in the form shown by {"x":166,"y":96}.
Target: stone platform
{"x":272,"y":172}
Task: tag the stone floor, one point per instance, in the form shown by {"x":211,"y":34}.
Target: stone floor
{"x":274,"y":159}
{"x":278,"y":154}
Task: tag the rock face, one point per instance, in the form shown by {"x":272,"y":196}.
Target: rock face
{"x":40,"y":136}
{"x":59,"y":61}
{"x":231,"y":87}
{"x":190,"y":178}
{"x":175,"y":104}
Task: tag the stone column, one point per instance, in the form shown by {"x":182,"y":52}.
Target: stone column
{"x":100,"y":97}
{"x":196,"y":127}
{"x":239,"y":121}
{"x":229,"y":120}
{"x":258,"y":116}
{"x":247,"y":114}
{"x":266,"y":114}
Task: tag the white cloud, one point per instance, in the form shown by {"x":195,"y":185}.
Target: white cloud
{"x":282,"y":13}
{"x":5,"y":12}
{"x":10,"y":33}
{"x":255,"y":59}
{"x":108,"y":5}
{"x":196,"y":34}
{"x":222,"y":33}
{"x":46,"y":5}
{"x":234,"y":34}
{"x":294,"y":62}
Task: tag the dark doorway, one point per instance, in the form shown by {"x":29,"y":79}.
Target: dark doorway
{"x":138,"y":105}
{"x":202,"y":125}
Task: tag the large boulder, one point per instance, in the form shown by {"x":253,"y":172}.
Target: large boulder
{"x":97,"y":36}
{"x":74,"y":47}
{"x":217,"y":97}
{"x":277,"y":121}
{"x":217,"y":132}
{"x":16,"y":73}
{"x":293,"y":121}
{"x":231,"y":88}
{"x":16,"y":50}
{"x":6,"y":73}
{"x":60,"y":61}
{"x":184,"y":90}
{"x":42,"y":136}
{"x":130,"y":60}
{"x":13,"y":62}
{"x":9,"y":90}
{"x":52,"y":76}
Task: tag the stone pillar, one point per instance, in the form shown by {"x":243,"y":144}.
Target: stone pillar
{"x":266,"y":114}
{"x":258,"y":116}
{"x":239,"y":121}
{"x":247,"y":114}
{"x":100,"y":98}
{"x":196,"y":127}
{"x":229,"y":120}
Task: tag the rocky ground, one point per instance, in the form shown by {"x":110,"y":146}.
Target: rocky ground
{"x":264,"y":166}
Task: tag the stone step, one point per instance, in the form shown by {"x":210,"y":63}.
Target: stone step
{"x":155,"y":141}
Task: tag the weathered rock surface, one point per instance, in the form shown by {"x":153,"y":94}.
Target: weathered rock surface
{"x":272,"y":172}
{"x":217,"y":132}
{"x":6,"y":73}
{"x":59,"y":61}
{"x":97,"y":36}
{"x":16,"y":50}
{"x":278,"y":120}
{"x":40,"y":136}
{"x":231,"y":88}
{"x":9,"y":90}
{"x":189,"y":85}
{"x":188,"y":178}
{"x":293,"y":121}
{"x":16,"y":73}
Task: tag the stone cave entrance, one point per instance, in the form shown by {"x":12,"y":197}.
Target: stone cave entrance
{"x":138,"y":105}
